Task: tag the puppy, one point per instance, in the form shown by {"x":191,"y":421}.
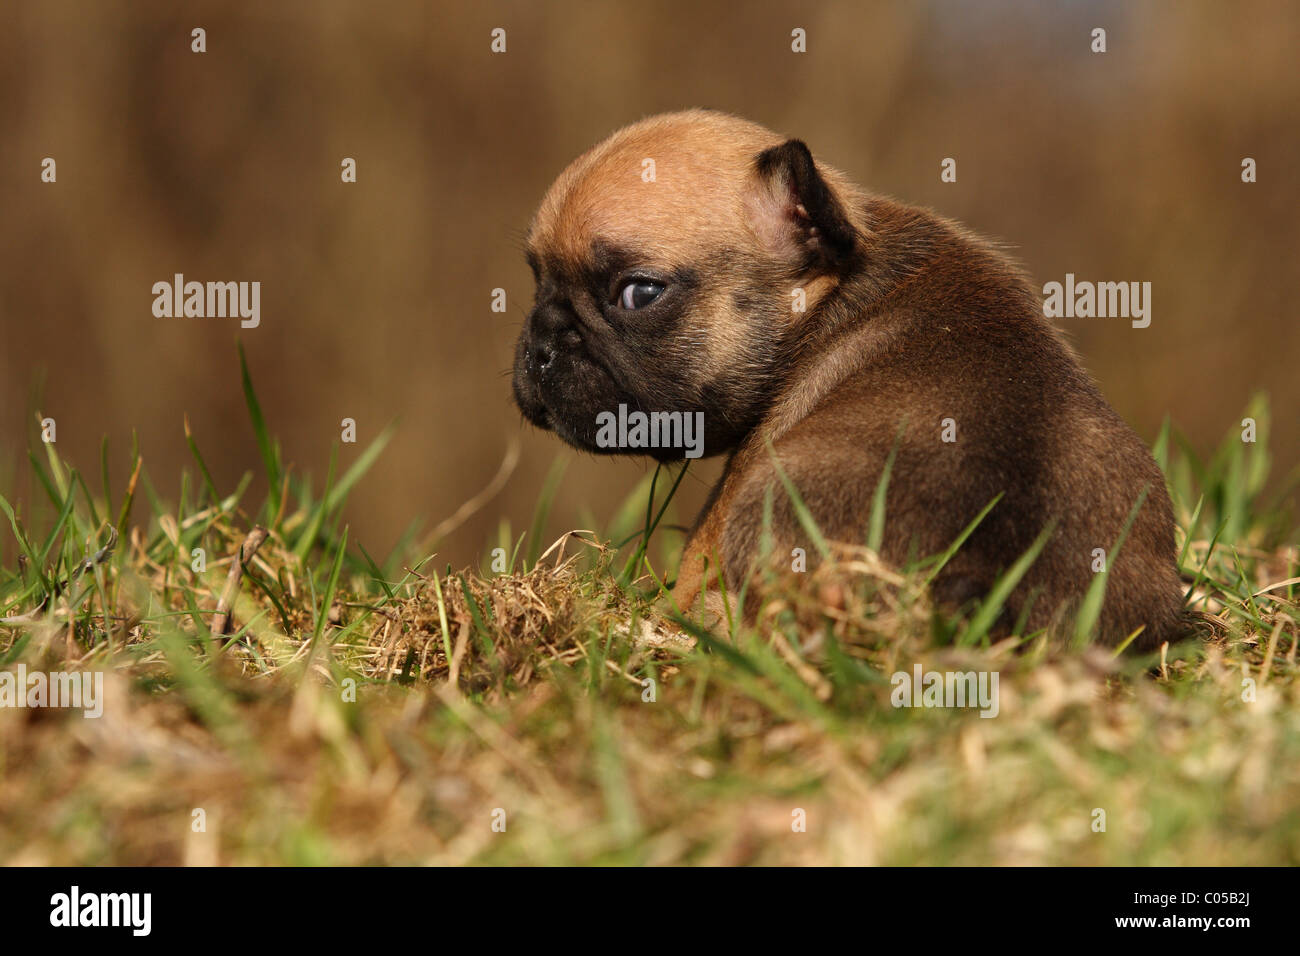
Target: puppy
{"x":697,"y":263}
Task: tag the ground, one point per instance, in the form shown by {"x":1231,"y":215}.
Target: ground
{"x":558,"y":711}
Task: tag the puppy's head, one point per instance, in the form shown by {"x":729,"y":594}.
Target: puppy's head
{"x":671,"y":261}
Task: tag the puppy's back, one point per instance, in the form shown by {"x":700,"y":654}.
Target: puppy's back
{"x":942,"y":337}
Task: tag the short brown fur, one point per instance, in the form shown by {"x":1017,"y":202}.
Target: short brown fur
{"x":910,"y":321}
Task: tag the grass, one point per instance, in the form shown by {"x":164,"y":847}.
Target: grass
{"x":550,"y":711}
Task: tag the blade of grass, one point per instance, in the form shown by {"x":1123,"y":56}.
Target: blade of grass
{"x":538,"y":527}
{"x":312,"y":529}
{"x":801,"y":511}
{"x":65,"y":513}
{"x":1085,"y":623}
{"x":442,"y":618}
{"x":105,"y":486}
{"x":43,"y":477}
{"x":328,"y":597}
{"x":876,"y":527}
{"x":961,"y":539}
{"x":377,"y":574}
{"x":203,"y":465}
{"x":336,"y":496}
{"x":984,"y":619}
{"x":127,"y":501}
{"x":652,"y":523}
{"x":270,"y":456}
{"x":25,"y":545}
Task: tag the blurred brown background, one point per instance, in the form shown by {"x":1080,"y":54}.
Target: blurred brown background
{"x":376,"y":296}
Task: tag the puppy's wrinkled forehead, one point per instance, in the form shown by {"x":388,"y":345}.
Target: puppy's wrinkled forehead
{"x":669,"y":187}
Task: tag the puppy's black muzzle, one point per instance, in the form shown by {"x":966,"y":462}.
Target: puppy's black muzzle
{"x":551,"y":329}
{"x":549,"y":335}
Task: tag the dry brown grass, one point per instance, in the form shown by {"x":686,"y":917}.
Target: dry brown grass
{"x":538,"y":712}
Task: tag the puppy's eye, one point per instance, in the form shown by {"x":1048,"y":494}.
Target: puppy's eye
{"x":638,"y":293}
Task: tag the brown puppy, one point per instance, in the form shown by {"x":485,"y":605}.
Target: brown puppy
{"x":698,"y":263}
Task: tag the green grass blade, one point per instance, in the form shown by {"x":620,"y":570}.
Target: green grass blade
{"x":984,"y":619}
{"x":330,"y":587}
{"x":1090,"y":611}
{"x":335,"y":497}
{"x":311,"y":531}
{"x":267,"y":448}
{"x":208,"y":483}
{"x":961,"y":538}
{"x":802,"y":514}
{"x":538,"y":527}
{"x":375,"y":572}
{"x":876,"y":528}
{"x":65,"y":514}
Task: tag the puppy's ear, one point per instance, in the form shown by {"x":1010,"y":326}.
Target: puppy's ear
{"x":794,"y":212}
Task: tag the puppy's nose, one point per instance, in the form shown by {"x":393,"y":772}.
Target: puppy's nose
{"x":552,"y":330}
